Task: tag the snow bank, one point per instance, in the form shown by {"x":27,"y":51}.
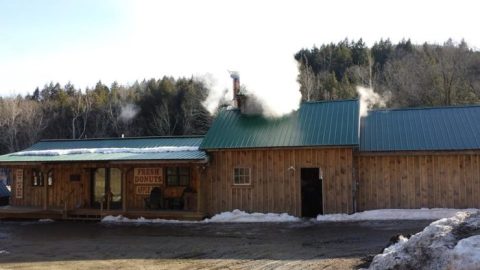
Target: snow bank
{"x":241,"y":216}
{"x":140,"y":220}
{"x":466,"y":254}
{"x":395,"y":214}
{"x":60,"y":152}
{"x":45,"y":220}
{"x":234,"y":216}
{"x":438,"y":246}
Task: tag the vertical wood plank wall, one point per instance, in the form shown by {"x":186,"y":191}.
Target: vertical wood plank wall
{"x":416,"y":181}
{"x":77,"y":194}
{"x":275,"y":188}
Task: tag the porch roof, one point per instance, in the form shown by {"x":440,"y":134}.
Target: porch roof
{"x":179,"y":148}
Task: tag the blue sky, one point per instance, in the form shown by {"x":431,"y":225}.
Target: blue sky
{"x":85,"y":41}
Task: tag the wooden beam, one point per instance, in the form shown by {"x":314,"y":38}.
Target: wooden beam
{"x":124,"y":189}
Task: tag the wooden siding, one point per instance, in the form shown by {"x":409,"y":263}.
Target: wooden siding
{"x":275,"y":188}
{"x":420,"y":180}
{"x":77,"y":194}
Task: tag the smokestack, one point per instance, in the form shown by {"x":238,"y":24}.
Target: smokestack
{"x":237,"y":102}
{"x":239,"y":98}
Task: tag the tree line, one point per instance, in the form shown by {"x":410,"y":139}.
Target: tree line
{"x":163,"y":107}
{"x":410,"y":75}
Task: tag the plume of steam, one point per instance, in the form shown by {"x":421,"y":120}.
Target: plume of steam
{"x":128,"y":112}
{"x":369,"y":99}
{"x":216,"y":97}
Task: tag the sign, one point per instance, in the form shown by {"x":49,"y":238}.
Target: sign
{"x":148,"y":176}
{"x":143,"y":190}
{"x":19,"y":184}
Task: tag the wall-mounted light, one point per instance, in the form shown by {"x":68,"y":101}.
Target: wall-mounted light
{"x":320,"y":174}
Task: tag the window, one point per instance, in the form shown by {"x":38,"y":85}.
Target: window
{"x":37,"y":178}
{"x":50,"y":178}
{"x":241,"y":176}
{"x":178,"y":176}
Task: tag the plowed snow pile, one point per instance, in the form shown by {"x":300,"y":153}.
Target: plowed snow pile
{"x":449,"y":243}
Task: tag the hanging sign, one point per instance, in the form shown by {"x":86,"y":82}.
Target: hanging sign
{"x":148,"y":176}
{"x":19,"y":183}
{"x":143,"y":190}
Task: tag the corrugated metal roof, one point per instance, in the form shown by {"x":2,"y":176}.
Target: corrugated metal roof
{"x":417,"y":129}
{"x":326,"y":123}
{"x":141,"y":142}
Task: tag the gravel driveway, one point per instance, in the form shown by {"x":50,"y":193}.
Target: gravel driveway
{"x":297,"y":245}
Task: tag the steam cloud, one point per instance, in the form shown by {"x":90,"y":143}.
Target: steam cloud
{"x":269,"y":94}
{"x":369,"y":99}
{"x":128,"y":112}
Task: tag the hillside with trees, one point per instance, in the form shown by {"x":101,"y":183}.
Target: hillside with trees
{"x":166,"y":106}
{"x":410,"y":75}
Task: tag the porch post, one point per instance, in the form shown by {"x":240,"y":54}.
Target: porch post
{"x":124,"y":189}
{"x":199,"y":188}
{"x":45,"y":187}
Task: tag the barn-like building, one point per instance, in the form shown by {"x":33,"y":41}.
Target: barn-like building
{"x":321,"y":159}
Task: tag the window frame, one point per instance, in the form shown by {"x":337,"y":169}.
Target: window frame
{"x":178,"y":174}
{"x":244,"y":176}
{"x":40,"y":181}
{"x":50,"y":178}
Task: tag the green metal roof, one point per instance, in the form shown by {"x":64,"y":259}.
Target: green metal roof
{"x":131,"y":143}
{"x":325,"y":123}
{"x":416,"y":129}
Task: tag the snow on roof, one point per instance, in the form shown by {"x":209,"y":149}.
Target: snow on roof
{"x":59,"y":152}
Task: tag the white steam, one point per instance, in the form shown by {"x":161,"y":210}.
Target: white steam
{"x":277,"y":93}
{"x":128,"y":112}
{"x":368,"y":99}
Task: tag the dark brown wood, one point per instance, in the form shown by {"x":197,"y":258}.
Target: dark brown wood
{"x":275,"y":179}
{"x":427,"y":180}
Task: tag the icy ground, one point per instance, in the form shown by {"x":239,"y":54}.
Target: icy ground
{"x":448,"y":243}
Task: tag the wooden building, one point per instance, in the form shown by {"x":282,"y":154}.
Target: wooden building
{"x":316,"y":160}
{"x":91,"y":178}
{"x":420,"y":157}
{"x":300,"y":164}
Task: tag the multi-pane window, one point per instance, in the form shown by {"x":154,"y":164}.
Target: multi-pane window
{"x":178,"y":176}
{"x":37,"y":178}
{"x":241,"y":176}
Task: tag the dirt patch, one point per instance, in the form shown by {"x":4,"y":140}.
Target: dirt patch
{"x":298,"y":245}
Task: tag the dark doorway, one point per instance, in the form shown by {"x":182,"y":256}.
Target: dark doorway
{"x":312,"y":203}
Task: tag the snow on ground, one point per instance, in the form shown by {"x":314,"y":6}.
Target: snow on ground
{"x":466,"y":254}
{"x":241,"y":216}
{"x":45,"y":220}
{"x":60,"y":152}
{"x":140,"y":220}
{"x":234,"y":216}
{"x":448,"y":243}
{"x":395,"y":214}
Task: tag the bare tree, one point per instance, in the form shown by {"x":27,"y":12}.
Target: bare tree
{"x":81,"y":109}
{"x":9,"y":121}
